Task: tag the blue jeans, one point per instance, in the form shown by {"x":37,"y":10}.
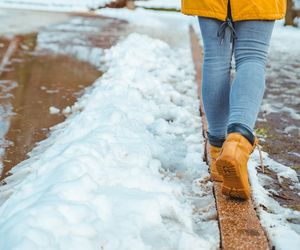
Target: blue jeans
{"x":237,"y":102}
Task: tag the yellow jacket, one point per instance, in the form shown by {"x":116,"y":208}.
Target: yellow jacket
{"x":240,"y":9}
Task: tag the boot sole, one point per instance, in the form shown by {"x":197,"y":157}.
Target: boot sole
{"x":233,"y":185}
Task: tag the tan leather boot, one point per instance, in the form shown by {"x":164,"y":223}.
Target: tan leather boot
{"x":232,"y":165}
{"x":214,"y":152}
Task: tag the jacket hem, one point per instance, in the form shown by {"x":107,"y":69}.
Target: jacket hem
{"x":255,"y":16}
{"x":211,"y":14}
{"x":222,"y":16}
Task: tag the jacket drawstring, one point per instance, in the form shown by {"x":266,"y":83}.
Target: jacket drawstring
{"x":261,"y":159}
{"x":221,"y":31}
{"x":228,"y":23}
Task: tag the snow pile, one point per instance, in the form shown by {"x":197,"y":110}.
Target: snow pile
{"x":124,"y":171}
{"x":57,"y":5}
{"x":160,"y":4}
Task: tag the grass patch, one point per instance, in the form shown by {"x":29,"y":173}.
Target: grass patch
{"x":296,"y":168}
{"x":261,"y":132}
{"x":160,"y":9}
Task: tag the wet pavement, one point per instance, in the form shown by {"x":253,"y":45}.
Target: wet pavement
{"x":50,"y":69}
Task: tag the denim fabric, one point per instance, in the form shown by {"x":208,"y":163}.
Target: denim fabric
{"x":227,"y":102}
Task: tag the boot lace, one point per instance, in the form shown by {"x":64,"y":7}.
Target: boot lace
{"x":256,"y":144}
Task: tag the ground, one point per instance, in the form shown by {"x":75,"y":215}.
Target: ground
{"x":124,"y":169}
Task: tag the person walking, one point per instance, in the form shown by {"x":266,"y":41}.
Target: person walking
{"x":241,"y":29}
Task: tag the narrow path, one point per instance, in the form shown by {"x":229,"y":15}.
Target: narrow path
{"x":239,"y":225}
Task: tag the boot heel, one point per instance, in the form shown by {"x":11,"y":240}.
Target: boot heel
{"x":232,"y":165}
{"x":233,"y":184}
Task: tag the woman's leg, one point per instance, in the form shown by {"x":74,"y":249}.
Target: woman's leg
{"x":215,"y":78}
{"x":250,"y":52}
